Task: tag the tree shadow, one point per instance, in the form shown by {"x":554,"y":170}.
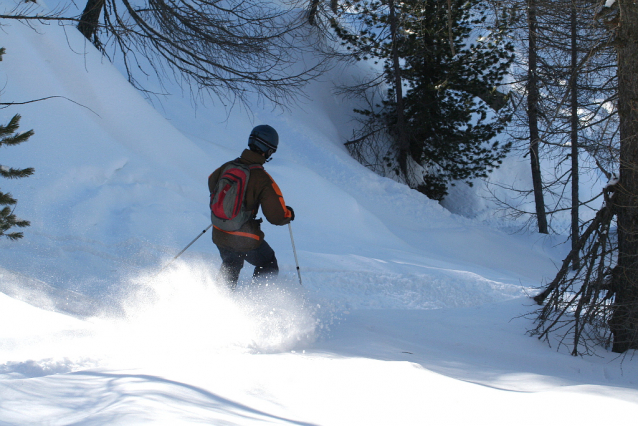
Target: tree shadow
{"x":484,"y":345}
{"x":93,"y":397}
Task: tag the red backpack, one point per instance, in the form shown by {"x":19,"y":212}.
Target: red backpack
{"x":227,"y":211}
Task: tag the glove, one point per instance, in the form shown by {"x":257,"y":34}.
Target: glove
{"x":292,"y":213}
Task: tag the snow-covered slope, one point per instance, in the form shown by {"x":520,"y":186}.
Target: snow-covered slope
{"x":404,"y":317}
{"x":117,"y":187}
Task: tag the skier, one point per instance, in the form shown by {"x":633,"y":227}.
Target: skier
{"x":247,"y":242}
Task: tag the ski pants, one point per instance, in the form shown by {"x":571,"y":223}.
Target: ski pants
{"x":262,"y":258}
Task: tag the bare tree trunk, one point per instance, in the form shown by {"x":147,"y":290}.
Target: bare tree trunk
{"x":402,"y":141}
{"x":624,"y":321}
{"x":574,"y":135}
{"x":90,"y":18}
{"x":312,"y":13}
{"x":532,"y":111}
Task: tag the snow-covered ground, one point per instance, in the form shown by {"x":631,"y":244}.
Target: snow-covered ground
{"x":408,"y":314}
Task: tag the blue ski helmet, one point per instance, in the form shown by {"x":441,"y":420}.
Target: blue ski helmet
{"x":263,"y":138}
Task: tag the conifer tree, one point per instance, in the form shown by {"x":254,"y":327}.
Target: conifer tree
{"x":442,"y":110}
{"x":10,"y":137}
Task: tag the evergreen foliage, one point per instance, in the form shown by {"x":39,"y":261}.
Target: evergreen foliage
{"x":10,"y":137}
{"x":450,"y":65}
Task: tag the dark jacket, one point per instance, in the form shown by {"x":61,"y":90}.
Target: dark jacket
{"x":261,"y":190}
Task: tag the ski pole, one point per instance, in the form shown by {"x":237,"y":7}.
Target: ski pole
{"x":185,"y":248}
{"x":295,"y":252}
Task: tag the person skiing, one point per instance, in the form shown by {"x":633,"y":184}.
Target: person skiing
{"x":240,"y":238}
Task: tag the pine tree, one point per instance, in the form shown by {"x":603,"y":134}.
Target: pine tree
{"x":10,"y":137}
{"x":452,"y":106}
{"x":442,"y":109}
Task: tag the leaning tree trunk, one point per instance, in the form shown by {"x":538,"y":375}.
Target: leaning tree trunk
{"x":90,"y":19}
{"x":532,"y":112}
{"x":624,"y":321}
{"x":312,"y":12}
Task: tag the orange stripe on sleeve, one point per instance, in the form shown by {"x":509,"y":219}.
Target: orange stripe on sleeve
{"x":287,"y":213}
